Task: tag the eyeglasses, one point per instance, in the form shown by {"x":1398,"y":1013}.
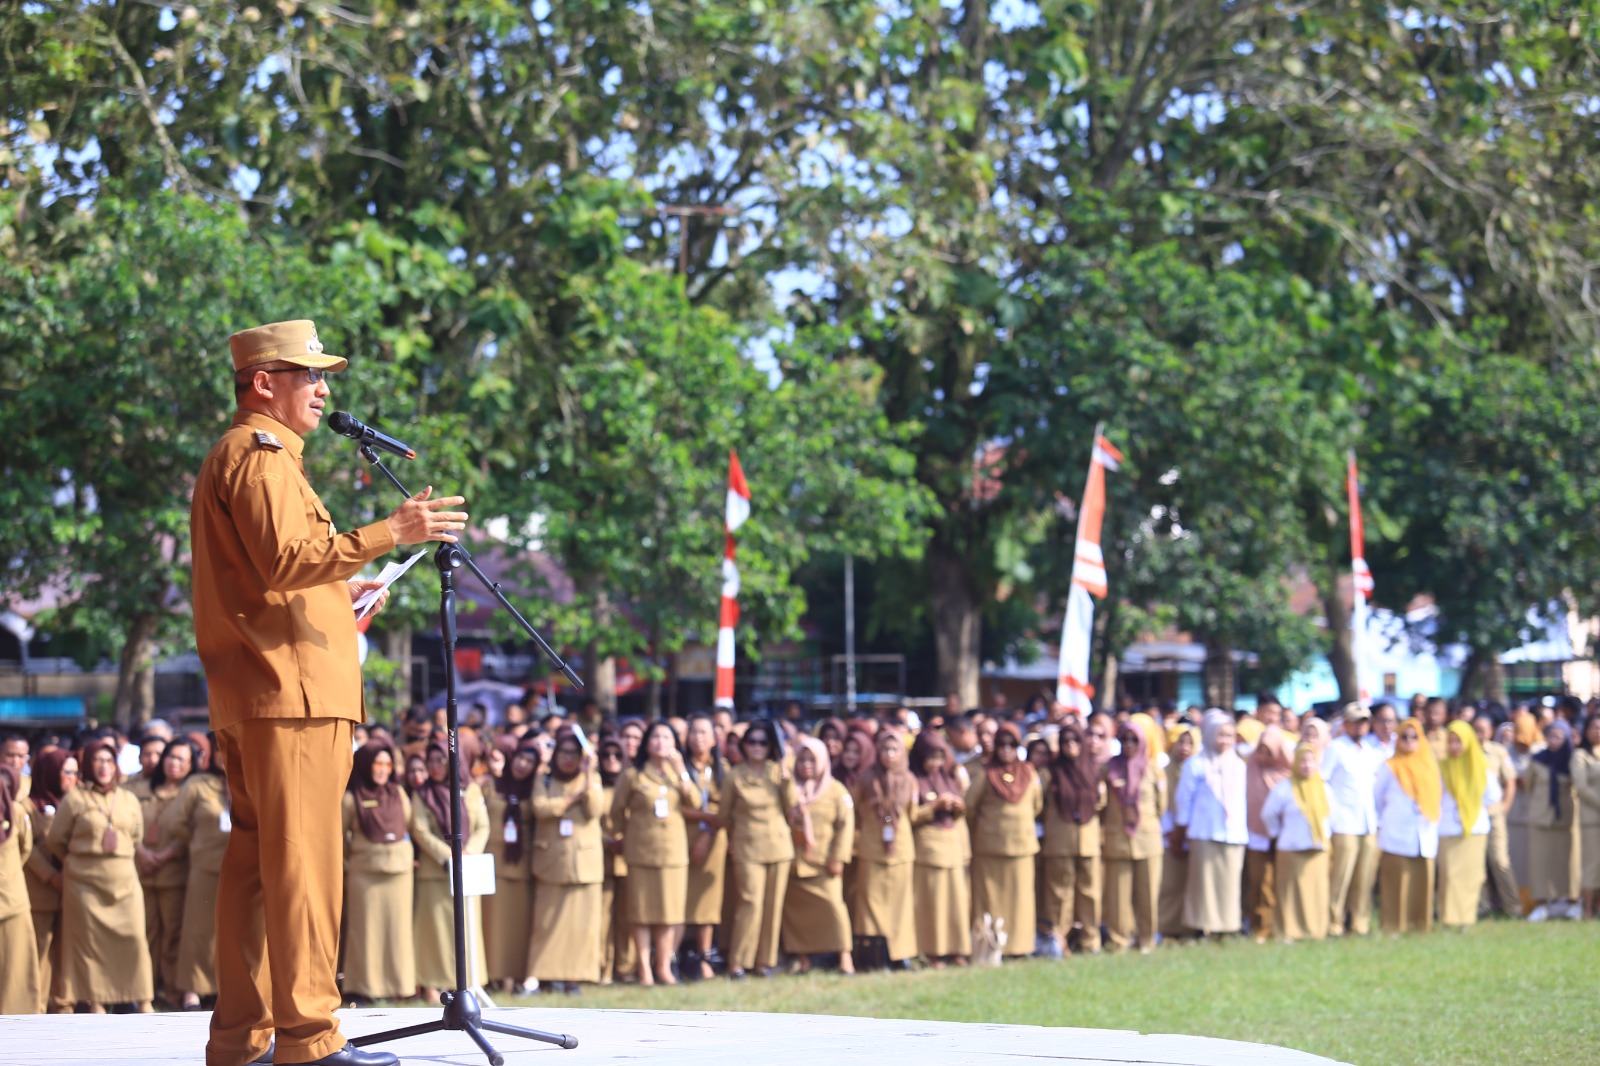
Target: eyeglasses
{"x":313,"y":376}
{"x":69,"y":773}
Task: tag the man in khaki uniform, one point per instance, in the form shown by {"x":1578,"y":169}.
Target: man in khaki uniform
{"x":273,"y":618}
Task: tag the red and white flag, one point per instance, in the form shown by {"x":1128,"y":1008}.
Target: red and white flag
{"x":1088,"y":581}
{"x":1361,"y":577}
{"x":738,"y":510}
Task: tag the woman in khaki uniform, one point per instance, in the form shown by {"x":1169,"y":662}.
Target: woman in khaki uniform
{"x":163,"y":862}
{"x":1069,"y":882}
{"x":815,"y":919}
{"x":708,"y":841}
{"x":648,"y":812}
{"x":758,"y":800}
{"x":941,"y":893}
{"x":19,"y":957}
{"x":105,"y":958}
{"x":433,"y":921}
{"x":202,"y":822}
{"x":568,"y":868}
{"x":55,"y":773}
{"x":1182,"y":742}
{"x":508,"y":914}
{"x":1136,"y":797}
{"x":1586,"y":783}
{"x":1298,"y":816}
{"x":380,"y":959}
{"x":886,"y":851}
{"x":1002,"y":805}
{"x":1553,"y":861}
{"x":617,"y":955}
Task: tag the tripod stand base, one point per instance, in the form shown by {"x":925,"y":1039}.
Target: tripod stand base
{"x":461,"y":1014}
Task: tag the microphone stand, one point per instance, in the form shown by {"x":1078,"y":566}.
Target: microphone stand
{"x":461,"y":1010}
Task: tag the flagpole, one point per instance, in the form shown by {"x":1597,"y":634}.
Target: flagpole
{"x":1358,"y":595}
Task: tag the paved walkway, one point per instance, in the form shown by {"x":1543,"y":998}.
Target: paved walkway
{"x":618,"y":1036}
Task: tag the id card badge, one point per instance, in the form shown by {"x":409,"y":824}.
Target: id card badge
{"x":564,"y":827}
{"x":511,"y":833}
{"x":661,"y":807}
{"x":225,"y":821}
{"x":705,"y":799}
{"x":888,"y":834}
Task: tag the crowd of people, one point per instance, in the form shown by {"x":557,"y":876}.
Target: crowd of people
{"x":654,"y":851}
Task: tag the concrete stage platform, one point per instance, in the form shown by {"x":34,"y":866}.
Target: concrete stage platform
{"x":622,"y":1036}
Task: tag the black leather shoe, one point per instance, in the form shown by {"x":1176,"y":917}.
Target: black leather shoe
{"x":350,"y":1055}
{"x":736,"y":975}
{"x":266,"y":1056}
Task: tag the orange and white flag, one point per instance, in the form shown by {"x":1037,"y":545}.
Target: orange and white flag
{"x":738,"y":510}
{"x":1088,"y":581}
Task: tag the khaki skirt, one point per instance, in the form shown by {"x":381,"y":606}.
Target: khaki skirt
{"x":197,"y":946}
{"x":380,"y":958}
{"x":815,"y":921}
{"x":104,"y":955}
{"x":1589,"y":849}
{"x":1174,"y":880}
{"x":19,"y":966}
{"x":1002,"y":886}
{"x":886,"y":905}
{"x":1302,"y":884}
{"x":1211,"y":898}
{"x":657,"y":895}
{"x":943,"y":905}
{"x":1553,"y":863}
{"x":566,"y":941}
{"x":1462,"y":868}
{"x":707,"y":885}
{"x":507,"y":928}
{"x":434,"y":937}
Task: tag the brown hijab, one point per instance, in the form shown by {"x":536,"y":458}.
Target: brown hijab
{"x":886,"y":791}
{"x":9,"y":787}
{"x":516,"y":791}
{"x":48,"y":788}
{"x":1021,"y":775}
{"x":1072,"y":779}
{"x":380,"y":812}
{"x":932,"y":785}
{"x":1125,"y":774}
{"x":435,"y":795}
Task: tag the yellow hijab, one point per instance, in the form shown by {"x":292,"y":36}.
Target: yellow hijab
{"x":1249,"y":730}
{"x":1418,"y":773}
{"x":1155,"y":737}
{"x":1311,"y":796}
{"x":1465,"y":775}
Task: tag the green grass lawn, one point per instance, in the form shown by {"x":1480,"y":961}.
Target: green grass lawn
{"x":1498,"y":994}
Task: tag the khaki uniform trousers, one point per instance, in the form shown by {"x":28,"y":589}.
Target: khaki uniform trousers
{"x":1069,"y":897}
{"x":1352,"y":873}
{"x":758,"y":913}
{"x":1132,"y":895}
{"x":1405,"y":894}
{"x":1502,"y":880}
{"x":279,"y":894}
{"x":1260,"y":896}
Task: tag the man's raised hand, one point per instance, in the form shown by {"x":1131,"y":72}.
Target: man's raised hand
{"x":421,"y":519}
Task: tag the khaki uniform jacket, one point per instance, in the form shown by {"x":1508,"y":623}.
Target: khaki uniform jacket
{"x":504,"y":868}
{"x":1498,"y":759}
{"x":1586,"y":783}
{"x":756,"y":801}
{"x":647,"y":811}
{"x":196,"y":819}
{"x":611,"y":832}
{"x":938,"y":848}
{"x":272,"y":616}
{"x":433,"y":839}
{"x":870,"y":845}
{"x":576,"y":859}
{"x":833,"y":827}
{"x":13,"y":854}
{"x":1146,"y":842}
{"x":710,"y":799}
{"x":1536,"y":781}
{"x":80,"y":825}
{"x":41,"y":865}
{"x":174,"y":873}
{"x":1000,"y":828}
{"x":1064,"y":838}
{"x":369,"y":856}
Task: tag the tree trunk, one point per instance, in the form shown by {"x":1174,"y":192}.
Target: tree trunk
{"x":1483,"y":677}
{"x":1106,"y":692}
{"x":396,"y":647}
{"x":1341,"y":652}
{"x":600,"y":680}
{"x":957,"y":623}
{"x":1218,"y":677}
{"x":652,"y":696}
{"x":135,"y":700}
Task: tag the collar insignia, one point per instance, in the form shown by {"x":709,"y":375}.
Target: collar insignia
{"x":269,"y":440}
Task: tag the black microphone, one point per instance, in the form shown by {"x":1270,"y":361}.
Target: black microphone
{"x":349,"y":426}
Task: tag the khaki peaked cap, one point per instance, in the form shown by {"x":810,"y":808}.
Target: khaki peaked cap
{"x":282,"y":342}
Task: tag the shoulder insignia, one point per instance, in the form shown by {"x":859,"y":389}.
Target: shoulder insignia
{"x":268,"y":440}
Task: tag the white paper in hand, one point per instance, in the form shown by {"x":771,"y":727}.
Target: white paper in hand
{"x":391,"y":573}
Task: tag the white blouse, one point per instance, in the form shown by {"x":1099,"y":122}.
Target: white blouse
{"x":1202,"y":813}
{"x":1287,"y":824}
{"x":1402,"y":829}
{"x":1351,"y":770}
{"x":1450,"y":813}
